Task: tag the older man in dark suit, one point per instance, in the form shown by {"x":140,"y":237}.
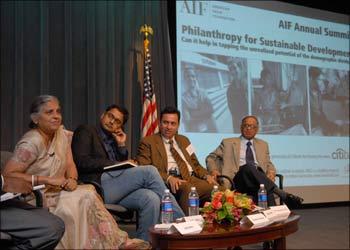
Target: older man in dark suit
{"x":175,"y":159}
{"x":246,"y":160}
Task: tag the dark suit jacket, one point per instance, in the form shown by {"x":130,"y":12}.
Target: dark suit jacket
{"x":151,"y":151}
{"x":90,"y":155}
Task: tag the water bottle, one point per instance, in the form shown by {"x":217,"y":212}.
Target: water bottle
{"x":215,"y":189}
{"x":193,"y":202}
{"x":167,"y":208}
{"x":262,"y":197}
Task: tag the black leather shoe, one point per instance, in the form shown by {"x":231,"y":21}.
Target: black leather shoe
{"x":293,"y":201}
{"x":267,"y":245}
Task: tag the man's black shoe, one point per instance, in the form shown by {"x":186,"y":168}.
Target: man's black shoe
{"x":267,"y":245}
{"x":293,"y":201}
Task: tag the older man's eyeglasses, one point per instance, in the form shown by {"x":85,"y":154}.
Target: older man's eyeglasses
{"x":113,"y":119}
{"x":249,"y":126}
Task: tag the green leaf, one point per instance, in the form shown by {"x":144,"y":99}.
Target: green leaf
{"x":221,"y":214}
{"x":228,"y":207}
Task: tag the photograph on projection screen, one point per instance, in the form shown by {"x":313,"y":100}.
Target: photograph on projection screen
{"x":218,"y":91}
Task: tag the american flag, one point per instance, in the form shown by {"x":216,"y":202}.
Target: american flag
{"x":149,"y":123}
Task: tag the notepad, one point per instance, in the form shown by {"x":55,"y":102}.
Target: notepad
{"x":121,"y":165}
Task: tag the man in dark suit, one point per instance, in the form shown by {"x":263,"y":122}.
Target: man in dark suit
{"x":140,"y":188}
{"x":156,"y":150}
{"x":30,"y":227}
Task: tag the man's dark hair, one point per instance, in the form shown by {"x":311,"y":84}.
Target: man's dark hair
{"x":170,"y":110}
{"x":121,"y":109}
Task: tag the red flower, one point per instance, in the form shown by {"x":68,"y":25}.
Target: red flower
{"x":216,"y":204}
{"x":217,"y":196}
{"x":230,"y":199}
{"x":227,"y":206}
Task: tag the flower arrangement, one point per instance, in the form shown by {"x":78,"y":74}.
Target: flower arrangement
{"x":227,"y":207}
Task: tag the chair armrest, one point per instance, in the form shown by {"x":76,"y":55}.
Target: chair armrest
{"x":35,"y":198}
{"x":39,"y":200}
{"x":280,"y":180}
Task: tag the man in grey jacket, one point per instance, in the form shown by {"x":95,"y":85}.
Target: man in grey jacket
{"x":246,"y":160}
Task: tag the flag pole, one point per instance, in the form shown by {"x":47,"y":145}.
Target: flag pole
{"x":147,"y":30}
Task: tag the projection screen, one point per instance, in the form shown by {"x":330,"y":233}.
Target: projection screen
{"x":303,"y":109}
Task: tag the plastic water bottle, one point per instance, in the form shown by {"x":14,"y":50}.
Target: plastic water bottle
{"x":193,"y":202}
{"x":215,"y":189}
{"x":262,"y":197}
{"x":167,"y":208}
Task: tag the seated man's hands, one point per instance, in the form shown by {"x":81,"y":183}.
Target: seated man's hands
{"x":271,"y":175}
{"x":174,"y":183}
{"x":134,"y":161}
{"x":120,"y":137}
{"x":211,"y":179}
{"x":215,"y":174}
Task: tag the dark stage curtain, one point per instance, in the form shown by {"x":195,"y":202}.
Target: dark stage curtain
{"x":87,"y":53}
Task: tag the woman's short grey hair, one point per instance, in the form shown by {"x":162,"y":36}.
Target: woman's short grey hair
{"x":37,"y":104}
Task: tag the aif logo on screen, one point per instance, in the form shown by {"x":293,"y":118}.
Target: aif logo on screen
{"x":194,"y":7}
{"x":340,"y":154}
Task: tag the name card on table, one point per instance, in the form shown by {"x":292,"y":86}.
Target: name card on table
{"x":163,"y":226}
{"x":191,"y":227}
{"x":196,"y":218}
{"x":188,"y":227}
{"x":255,"y":220}
{"x":277,"y":213}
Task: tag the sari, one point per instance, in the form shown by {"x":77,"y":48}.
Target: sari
{"x":88,"y":225}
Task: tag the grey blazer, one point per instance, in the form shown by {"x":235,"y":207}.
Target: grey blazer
{"x":225,"y":158}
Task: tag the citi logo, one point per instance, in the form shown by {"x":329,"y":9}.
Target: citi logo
{"x":340,"y":154}
{"x":194,"y":7}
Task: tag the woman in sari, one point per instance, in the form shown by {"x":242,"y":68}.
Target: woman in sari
{"x":43,"y":156}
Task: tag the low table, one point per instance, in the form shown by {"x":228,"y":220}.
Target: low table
{"x":216,"y":236}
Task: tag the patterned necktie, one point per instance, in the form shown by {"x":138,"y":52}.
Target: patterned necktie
{"x":180,"y":162}
{"x":249,"y":157}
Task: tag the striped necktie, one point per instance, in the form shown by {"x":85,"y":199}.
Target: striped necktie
{"x":180,"y":162}
{"x":249,"y":157}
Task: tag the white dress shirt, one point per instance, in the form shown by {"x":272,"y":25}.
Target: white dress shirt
{"x":171,"y":161}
